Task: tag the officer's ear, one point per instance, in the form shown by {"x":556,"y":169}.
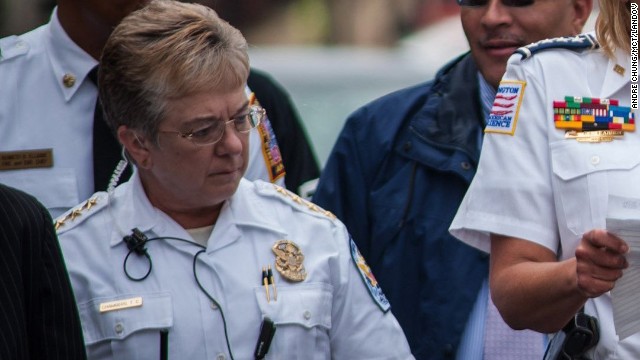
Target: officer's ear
{"x":582,"y":10}
{"x":136,"y":145}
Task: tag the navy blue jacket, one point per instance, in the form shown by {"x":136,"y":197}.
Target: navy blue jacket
{"x":395,"y":177}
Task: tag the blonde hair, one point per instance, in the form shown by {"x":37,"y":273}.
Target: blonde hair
{"x":613,"y":26}
{"x":167,"y":50}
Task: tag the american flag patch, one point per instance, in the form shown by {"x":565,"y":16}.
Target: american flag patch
{"x":504,"y":112}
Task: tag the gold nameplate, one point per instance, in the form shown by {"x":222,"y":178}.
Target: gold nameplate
{"x":27,"y":159}
{"x":594,"y":136}
{"x":121,"y":304}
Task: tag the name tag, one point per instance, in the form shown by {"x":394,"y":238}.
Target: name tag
{"x":121,"y":304}
{"x":27,"y":159}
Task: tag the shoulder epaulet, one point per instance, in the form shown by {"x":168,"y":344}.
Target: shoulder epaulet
{"x":12,"y":46}
{"x":77,"y":214}
{"x":576,"y":43}
{"x":296,"y":201}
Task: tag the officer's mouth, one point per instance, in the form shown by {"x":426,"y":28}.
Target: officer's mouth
{"x":500,"y":48}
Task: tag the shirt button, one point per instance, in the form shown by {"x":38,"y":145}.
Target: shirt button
{"x":595,"y":160}
{"x":221,"y":357}
{"x":119,"y":328}
{"x":307,"y":315}
{"x":465,"y":165}
{"x":214,"y":306}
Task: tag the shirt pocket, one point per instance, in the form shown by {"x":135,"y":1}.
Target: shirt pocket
{"x":580,"y":180}
{"x":56,"y":189}
{"x":302,"y":315}
{"x":127,"y":332}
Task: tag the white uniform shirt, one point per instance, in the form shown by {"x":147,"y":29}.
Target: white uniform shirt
{"x":329,"y":315}
{"x":38,"y":111}
{"x":539,"y":186}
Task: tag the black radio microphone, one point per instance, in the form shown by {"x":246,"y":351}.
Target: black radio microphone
{"x":136,"y":241}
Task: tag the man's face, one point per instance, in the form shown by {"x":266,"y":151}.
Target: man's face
{"x":495,"y":31}
{"x":110,"y":13}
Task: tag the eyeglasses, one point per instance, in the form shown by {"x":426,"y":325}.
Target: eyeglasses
{"x":512,"y":3}
{"x":212,"y":132}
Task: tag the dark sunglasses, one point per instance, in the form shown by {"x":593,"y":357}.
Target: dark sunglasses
{"x":512,"y":3}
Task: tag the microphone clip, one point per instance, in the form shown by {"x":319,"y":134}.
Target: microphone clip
{"x":136,"y":241}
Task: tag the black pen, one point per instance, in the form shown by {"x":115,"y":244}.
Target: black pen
{"x":164,"y":344}
{"x":272,"y":282}
{"x":265,"y":282}
{"x":267,"y":331}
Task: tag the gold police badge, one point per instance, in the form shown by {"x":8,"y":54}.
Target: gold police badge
{"x":289,"y":260}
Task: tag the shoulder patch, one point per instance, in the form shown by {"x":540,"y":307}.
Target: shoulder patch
{"x":77,"y":214}
{"x":12,"y":46}
{"x":576,"y":43}
{"x":506,"y":106}
{"x":367,"y":277}
{"x":269,"y":143}
{"x":271,"y":150}
{"x":294,"y":200}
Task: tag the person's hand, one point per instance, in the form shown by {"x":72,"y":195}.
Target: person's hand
{"x":600,"y":260}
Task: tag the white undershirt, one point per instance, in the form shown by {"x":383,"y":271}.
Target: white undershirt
{"x":201,"y":235}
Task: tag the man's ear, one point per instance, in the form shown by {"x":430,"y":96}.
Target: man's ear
{"x":582,"y":10}
{"x":136,"y":145}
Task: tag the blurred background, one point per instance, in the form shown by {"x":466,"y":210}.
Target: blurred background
{"x":332,"y":56}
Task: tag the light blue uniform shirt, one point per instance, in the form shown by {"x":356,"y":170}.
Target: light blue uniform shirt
{"x":472,"y":342}
{"x":329,"y":315}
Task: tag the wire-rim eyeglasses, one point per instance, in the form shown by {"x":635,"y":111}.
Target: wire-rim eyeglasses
{"x":510,"y":3}
{"x":213,"y":131}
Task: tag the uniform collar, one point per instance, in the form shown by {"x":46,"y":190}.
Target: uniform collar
{"x":487,"y":95}
{"x":443,"y":121}
{"x":66,"y":57}
{"x":132,"y":209}
{"x":250,"y":209}
{"x":613,"y":80}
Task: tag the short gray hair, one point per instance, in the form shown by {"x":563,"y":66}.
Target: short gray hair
{"x":167,"y":50}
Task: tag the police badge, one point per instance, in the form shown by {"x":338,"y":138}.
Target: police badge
{"x":289,"y":259}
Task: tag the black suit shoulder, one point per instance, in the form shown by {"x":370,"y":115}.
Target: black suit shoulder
{"x":38,"y":314}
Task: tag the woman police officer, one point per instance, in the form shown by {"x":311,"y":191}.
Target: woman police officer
{"x":187,"y":259}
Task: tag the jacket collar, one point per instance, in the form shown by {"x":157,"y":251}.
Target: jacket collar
{"x":452,"y":116}
{"x":66,"y":57}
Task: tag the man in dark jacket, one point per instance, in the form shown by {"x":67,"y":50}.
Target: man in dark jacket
{"x":402,"y":165}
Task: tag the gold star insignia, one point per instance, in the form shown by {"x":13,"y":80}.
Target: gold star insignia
{"x":91,"y":203}
{"x":329,"y":214}
{"x":59,"y":224}
{"x":75,"y":213}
